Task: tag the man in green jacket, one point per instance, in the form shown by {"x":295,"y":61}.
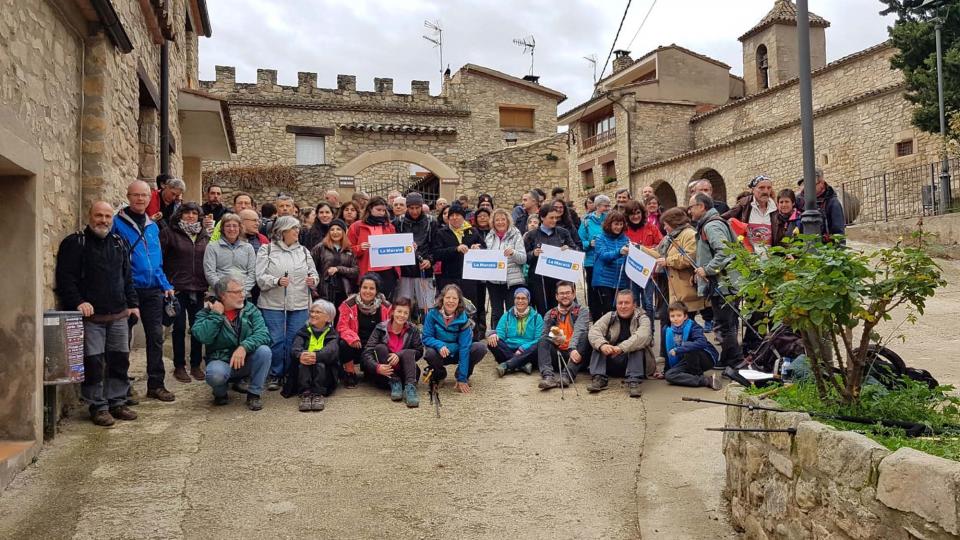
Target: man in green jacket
{"x":237,"y":341}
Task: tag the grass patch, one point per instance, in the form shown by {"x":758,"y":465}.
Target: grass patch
{"x":912,"y":402}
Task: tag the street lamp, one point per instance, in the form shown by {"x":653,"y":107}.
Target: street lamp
{"x":811,"y":220}
{"x":946,"y":199}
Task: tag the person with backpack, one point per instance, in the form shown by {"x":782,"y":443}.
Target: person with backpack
{"x":93,"y":277}
{"x":565,"y":332}
{"x":714,"y":279}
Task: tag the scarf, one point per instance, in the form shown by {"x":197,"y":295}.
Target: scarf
{"x":447,"y":319}
{"x":376,"y":221}
{"x":192,"y":229}
{"x":369,"y":308}
{"x":459,"y":233}
{"x":521,"y":319}
{"x":635,"y":226}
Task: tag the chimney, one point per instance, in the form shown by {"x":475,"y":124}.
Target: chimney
{"x":621,"y":60}
{"x":535,"y":79}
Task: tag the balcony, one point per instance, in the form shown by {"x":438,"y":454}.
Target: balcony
{"x":600,"y":139}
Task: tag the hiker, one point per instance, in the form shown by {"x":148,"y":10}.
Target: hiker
{"x":375,"y":221}
{"x":314,"y":357}
{"x":93,"y":277}
{"x":789,"y":216}
{"x":611,"y":254}
{"x":453,"y":241}
{"x":514,"y":342}
{"x":416,"y":281}
{"x":237,"y":342}
{"x":689,"y":354}
{"x":231,"y":254}
{"x":359,"y":314}
{"x":590,"y":228}
{"x":622,"y":345}
{"x":448,"y":338}
{"x":548,"y":233}
{"x":506,"y":238}
{"x":678,"y":252}
{"x":391,"y":353}
{"x":335,"y":264}
{"x":565,"y":329}
{"x":759,"y":214}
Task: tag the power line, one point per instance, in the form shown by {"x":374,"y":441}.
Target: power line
{"x":643,"y":22}
{"x":615,"y":38}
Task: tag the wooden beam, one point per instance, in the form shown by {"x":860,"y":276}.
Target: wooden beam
{"x":309,"y":130}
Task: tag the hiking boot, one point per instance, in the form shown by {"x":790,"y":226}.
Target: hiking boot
{"x":714,"y":382}
{"x":220,"y":401}
{"x":102,"y":418}
{"x":565,"y":380}
{"x":132,"y":397}
{"x":633,"y":389}
{"x":306,"y":403}
{"x":548,"y":382}
{"x":161,"y":394}
{"x":396,"y":391}
{"x":708,"y":326}
{"x":349,"y":380}
{"x":273,"y":383}
{"x":527,"y":368}
{"x":122,"y":413}
{"x":131,"y":402}
{"x":317,"y":403}
{"x":598,"y":384}
{"x":197,"y":373}
{"x":501,"y":369}
{"x":410,"y":396}
{"x":180,"y":374}
{"x":242,"y":386}
{"x":254,"y":403}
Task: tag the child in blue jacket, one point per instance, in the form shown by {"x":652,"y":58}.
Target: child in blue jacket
{"x":689,"y":354}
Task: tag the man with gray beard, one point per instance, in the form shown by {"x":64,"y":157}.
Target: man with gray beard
{"x":93,"y":277}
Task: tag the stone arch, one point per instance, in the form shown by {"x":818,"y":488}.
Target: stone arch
{"x":665,"y":193}
{"x":448,"y":177}
{"x":716,"y":180}
{"x":763,"y":67}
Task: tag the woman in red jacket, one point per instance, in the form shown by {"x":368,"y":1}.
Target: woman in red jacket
{"x":375,"y":220}
{"x":359,"y":314}
{"x":642,"y":232}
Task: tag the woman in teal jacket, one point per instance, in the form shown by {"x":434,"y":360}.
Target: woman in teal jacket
{"x":514,"y":342}
{"x":448,"y":338}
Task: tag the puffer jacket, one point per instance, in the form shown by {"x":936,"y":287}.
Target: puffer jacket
{"x":220,"y":339}
{"x":412,"y":340}
{"x":590,"y":228}
{"x":184,"y":258}
{"x":348,"y":325}
{"x":239,"y":259}
{"x":146,"y":258}
{"x":513,"y":240}
{"x":608,"y":270}
{"x":607,"y":328}
{"x":456,"y":337}
{"x":273,"y":261}
{"x":508,"y":325}
{"x":324,"y":258}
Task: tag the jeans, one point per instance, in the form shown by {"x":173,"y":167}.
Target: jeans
{"x":727,"y":326}
{"x":191,"y":302}
{"x":151,"y":317}
{"x":282,"y":337}
{"x":628,"y":365}
{"x":477,"y":351}
{"x":547,"y":358}
{"x":105,"y":381}
{"x":256,"y":366}
{"x":505,"y":354}
{"x":688,"y":371}
{"x":501,"y":299}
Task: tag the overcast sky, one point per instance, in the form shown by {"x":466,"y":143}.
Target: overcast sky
{"x":371,"y":39}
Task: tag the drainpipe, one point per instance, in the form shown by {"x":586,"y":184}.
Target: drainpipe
{"x":629,"y":146}
{"x":165,"y":108}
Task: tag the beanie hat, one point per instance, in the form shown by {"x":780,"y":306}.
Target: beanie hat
{"x":339,"y":223}
{"x":457,"y":208}
{"x":414,"y":199}
{"x":522,"y":290}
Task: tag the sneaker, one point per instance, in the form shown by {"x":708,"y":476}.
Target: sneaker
{"x":306,"y":403}
{"x":180,"y":374}
{"x":197,"y":373}
{"x":566,"y":380}
{"x":633,"y":389}
{"x":396,"y":391}
{"x":708,"y":326}
{"x":254,"y":403}
{"x":220,"y":401}
{"x":410,"y":396}
{"x":528,"y":368}
{"x":161,"y":394}
{"x":598,"y":384}
{"x":548,"y":382}
{"x":714,"y":382}
{"x":501,"y":369}
{"x":317,"y":403}
{"x":273,"y":384}
{"x":123,"y":413}
{"x":102,"y":418}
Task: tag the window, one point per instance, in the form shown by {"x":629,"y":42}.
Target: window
{"x":605,"y":125}
{"x":587,"y":178}
{"x":763,"y":65}
{"x":310,"y":150}
{"x":516,"y":118}
{"x":905,"y":148}
{"x":609,"y":172}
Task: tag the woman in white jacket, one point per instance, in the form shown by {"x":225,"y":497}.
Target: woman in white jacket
{"x":286,"y":275}
{"x":231,"y":254}
{"x":505,"y":237}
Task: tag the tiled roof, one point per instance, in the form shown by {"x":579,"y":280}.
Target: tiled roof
{"x":398,"y":128}
{"x":784,"y":12}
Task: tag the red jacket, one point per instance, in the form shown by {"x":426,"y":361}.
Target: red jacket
{"x":360,"y":232}
{"x":647,"y":236}
{"x":349,"y":324}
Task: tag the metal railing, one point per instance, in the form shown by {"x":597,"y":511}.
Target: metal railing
{"x":598,"y":139}
{"x":905,"y":193}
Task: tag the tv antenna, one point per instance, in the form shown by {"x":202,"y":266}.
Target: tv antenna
{"x":593,"y":61}
{"x":529,"y":44}
{"x":436,"y":38}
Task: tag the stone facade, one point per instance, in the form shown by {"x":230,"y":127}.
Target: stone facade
{"x":824,"y":483}
{"x":509,"y":173}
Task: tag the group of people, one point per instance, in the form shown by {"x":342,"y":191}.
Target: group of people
{"x":289,"y":300}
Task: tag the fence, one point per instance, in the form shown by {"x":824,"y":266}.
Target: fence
{"x":898,"y":194}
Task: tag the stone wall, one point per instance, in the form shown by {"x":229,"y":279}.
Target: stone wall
{"x":508,"y":174}
{"x":825,"y":483}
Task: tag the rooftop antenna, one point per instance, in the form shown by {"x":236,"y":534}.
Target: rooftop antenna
{"x":437,"y":39}
{"x":593,"y":61}
{"x":529,"y":44}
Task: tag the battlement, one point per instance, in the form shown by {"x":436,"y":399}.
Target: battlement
{"x":266,"y":87}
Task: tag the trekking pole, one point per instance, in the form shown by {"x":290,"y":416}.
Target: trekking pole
{"x":565,"y":368}
{"x":286,"y":353}
{"x":792,"y":431}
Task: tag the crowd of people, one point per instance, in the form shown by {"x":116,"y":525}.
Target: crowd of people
{"x":288,"y":299}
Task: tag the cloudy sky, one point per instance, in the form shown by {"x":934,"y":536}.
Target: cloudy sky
{"x":371,"y":39}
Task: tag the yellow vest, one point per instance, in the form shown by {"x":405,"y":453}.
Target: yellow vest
{"x":316,"y":342}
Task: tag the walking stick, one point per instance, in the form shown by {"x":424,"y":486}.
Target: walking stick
{"x":286,"y":353}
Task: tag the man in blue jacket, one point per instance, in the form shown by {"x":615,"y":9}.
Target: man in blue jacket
{"x":152,"y":286}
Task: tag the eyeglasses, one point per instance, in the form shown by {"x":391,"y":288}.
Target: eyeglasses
{"x":236,"y":291}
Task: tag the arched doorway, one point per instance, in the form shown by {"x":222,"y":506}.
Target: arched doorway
{"x":665,"y":194}
{"x":448,"y":178}
{"x":719,"y":186}
{"x":402,"y":176}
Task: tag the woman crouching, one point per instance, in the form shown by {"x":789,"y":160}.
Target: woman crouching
{"x":390,"y":357}
{"x":448,"y":336}
{"x":315,"y":355}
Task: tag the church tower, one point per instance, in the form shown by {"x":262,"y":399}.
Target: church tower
{"x":770,"y":47}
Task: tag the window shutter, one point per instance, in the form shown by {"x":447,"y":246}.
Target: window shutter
{"x":514,"y":117}
{"x":310,"y":150}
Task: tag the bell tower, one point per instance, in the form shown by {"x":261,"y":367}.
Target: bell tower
{"x":770,"y":47}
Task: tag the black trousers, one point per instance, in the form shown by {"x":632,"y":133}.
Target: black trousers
{"x":727,"y":326}
{"x":477,"y":351}
{"x":406,"y":371}
{"x":316,"y":380}
{"x":388,"y":283}
{"x":481,"y":295}
{"x":544,"y":291}
{"x":689,"y":369}
{"x":593,"y":299}
{"x":151,"y":317}
{"x":349,"y":354}
{"x":501,"y":300}
{"x":190,"y":302}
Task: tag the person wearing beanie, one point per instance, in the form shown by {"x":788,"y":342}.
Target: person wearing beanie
{"x":454,"y":239}
{"x":514,"y":342}
{"x":416,"y":281}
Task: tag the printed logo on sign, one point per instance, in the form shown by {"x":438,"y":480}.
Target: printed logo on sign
{"x":501,"y":266}
{"x":561,"y":264}
{"x":409,"y":249}
{"x":393,"y":250}
{"x":485,"y":265}
{"x":639,"y":267}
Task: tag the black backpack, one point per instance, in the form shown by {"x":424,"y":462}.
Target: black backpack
{"x":889,"y":368}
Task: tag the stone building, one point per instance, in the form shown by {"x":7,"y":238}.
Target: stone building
{"x":485,"y":131}
{"x":79,"y":120}
{"x":681,"y":126}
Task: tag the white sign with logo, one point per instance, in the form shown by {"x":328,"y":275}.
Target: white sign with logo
{"x":392,"y":250}
{"x":563,"y":264}
{"x":485,"y":265}
{"x":639,"y":266}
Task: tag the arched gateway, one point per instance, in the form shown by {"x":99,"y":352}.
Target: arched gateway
{"x":347,"y":173}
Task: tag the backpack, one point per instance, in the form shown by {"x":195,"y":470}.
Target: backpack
{"x":889,"y":368}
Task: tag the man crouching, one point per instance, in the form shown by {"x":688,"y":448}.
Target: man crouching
{"x":237,"y":342}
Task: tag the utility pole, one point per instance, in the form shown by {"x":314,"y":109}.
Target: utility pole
{"x":811,"y":220}
{"x":165,"y":107}
{"x":946,"y":199}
